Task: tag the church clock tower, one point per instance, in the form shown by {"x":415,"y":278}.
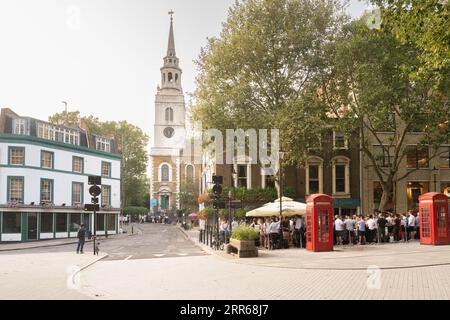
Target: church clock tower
{"x":169,"y":131}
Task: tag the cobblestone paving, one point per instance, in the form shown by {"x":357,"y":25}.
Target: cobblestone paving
{"x":346,"y":273}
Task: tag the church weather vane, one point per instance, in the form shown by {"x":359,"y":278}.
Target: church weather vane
{"x":171,"y":12}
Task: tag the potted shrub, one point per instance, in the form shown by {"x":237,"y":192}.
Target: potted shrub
{"x":243,"y":239}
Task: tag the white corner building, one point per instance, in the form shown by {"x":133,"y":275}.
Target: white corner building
{"x":44,"y":171}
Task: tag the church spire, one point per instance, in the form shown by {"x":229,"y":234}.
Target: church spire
{"x":170,"y":71}
{"x":171,"y":44}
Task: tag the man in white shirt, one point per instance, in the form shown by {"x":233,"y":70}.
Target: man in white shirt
{"x":349,"y":229}
{"x":234,"y":224}
{"x":274,"y":230}
{"x":411,"y":225}
{"x":371,"y":225}
{"x":338,"y":228}
{"x":298,"y":228}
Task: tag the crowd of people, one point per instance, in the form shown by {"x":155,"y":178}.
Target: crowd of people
{"x":379,"y":227}
{"x":274,"y":232}
{"x":284,"y":232}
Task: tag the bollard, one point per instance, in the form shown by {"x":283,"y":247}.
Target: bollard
{"x":132,"y":229}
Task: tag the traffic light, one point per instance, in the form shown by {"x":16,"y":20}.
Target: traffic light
{"x":217,"y":179}
{"x":94,"y":200}
{"x":218,"y":204}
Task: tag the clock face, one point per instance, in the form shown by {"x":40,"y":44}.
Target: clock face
{"x":168,"y":132}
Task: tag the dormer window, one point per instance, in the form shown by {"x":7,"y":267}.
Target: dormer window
{"x":103,"y":144}
{"x":60,"y":134}
{"x":20,"y":126}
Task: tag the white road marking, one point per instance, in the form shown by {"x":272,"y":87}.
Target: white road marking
{"x":159,"y":254}
{"x":182,"y":254}
{"x":127,"y":258}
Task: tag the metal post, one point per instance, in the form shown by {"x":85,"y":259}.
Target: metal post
{"x":281,"y":202}
{"x":95,"y":229}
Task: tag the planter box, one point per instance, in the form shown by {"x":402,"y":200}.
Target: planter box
{"x":245,"y":248}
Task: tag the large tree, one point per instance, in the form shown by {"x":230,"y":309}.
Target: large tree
{"x":368,"y":90}
{"x":267,"y":53}
{"x":131,"y":144}
{"x":426,"y":25}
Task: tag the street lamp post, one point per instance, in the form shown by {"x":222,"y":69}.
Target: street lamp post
{"x":435,"y":173}
{"x":280,"y":158}
{"x":229,"y":212}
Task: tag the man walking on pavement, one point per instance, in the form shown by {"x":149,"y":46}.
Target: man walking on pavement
{"x":81,"y":238}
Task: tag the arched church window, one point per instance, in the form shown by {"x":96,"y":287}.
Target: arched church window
{"x":176,"y":77}
{"x":190,"y":173}
{"x":169,"y":114}
{"x":170,"y":78}
{"x":164,"y":172}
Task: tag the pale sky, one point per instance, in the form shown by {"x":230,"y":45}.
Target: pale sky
{"x":101,"y":56}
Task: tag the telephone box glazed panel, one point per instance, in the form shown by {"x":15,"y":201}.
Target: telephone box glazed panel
{"x":319,"y":223}
{"x":434,"y":219}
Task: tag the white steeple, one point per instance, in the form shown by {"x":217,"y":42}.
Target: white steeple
{"x":170,"y":71}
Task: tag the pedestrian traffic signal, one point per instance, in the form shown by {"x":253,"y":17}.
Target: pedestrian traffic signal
{"x":95,"y":190}
{"x":217,"y":189}
{"x":218,"y":204}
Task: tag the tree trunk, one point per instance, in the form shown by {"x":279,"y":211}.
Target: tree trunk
{"x":386,"y":202}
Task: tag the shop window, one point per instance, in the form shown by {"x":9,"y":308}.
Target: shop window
{"x":101,"y":222}
{"x":61,"y":222}
{"x":11,"y":222}
{"x":75,"y":221}
{"x":112,"y":222}
{"x":414,"y":190}
{"x":46,"y":222}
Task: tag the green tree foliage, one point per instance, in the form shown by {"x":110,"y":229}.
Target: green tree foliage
{"x":268,"y":51}
{"x":368,"y":90}
{"x":424,"y":24}
{"x":135,"y":210}
{"x":131,"y":143}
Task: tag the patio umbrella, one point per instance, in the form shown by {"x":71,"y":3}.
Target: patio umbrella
{"x":193,"y":215}
{"x":290,"y":208}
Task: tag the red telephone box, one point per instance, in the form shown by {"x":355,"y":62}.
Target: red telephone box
{"x":319,"y":223}
{"x":434,"y":219}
